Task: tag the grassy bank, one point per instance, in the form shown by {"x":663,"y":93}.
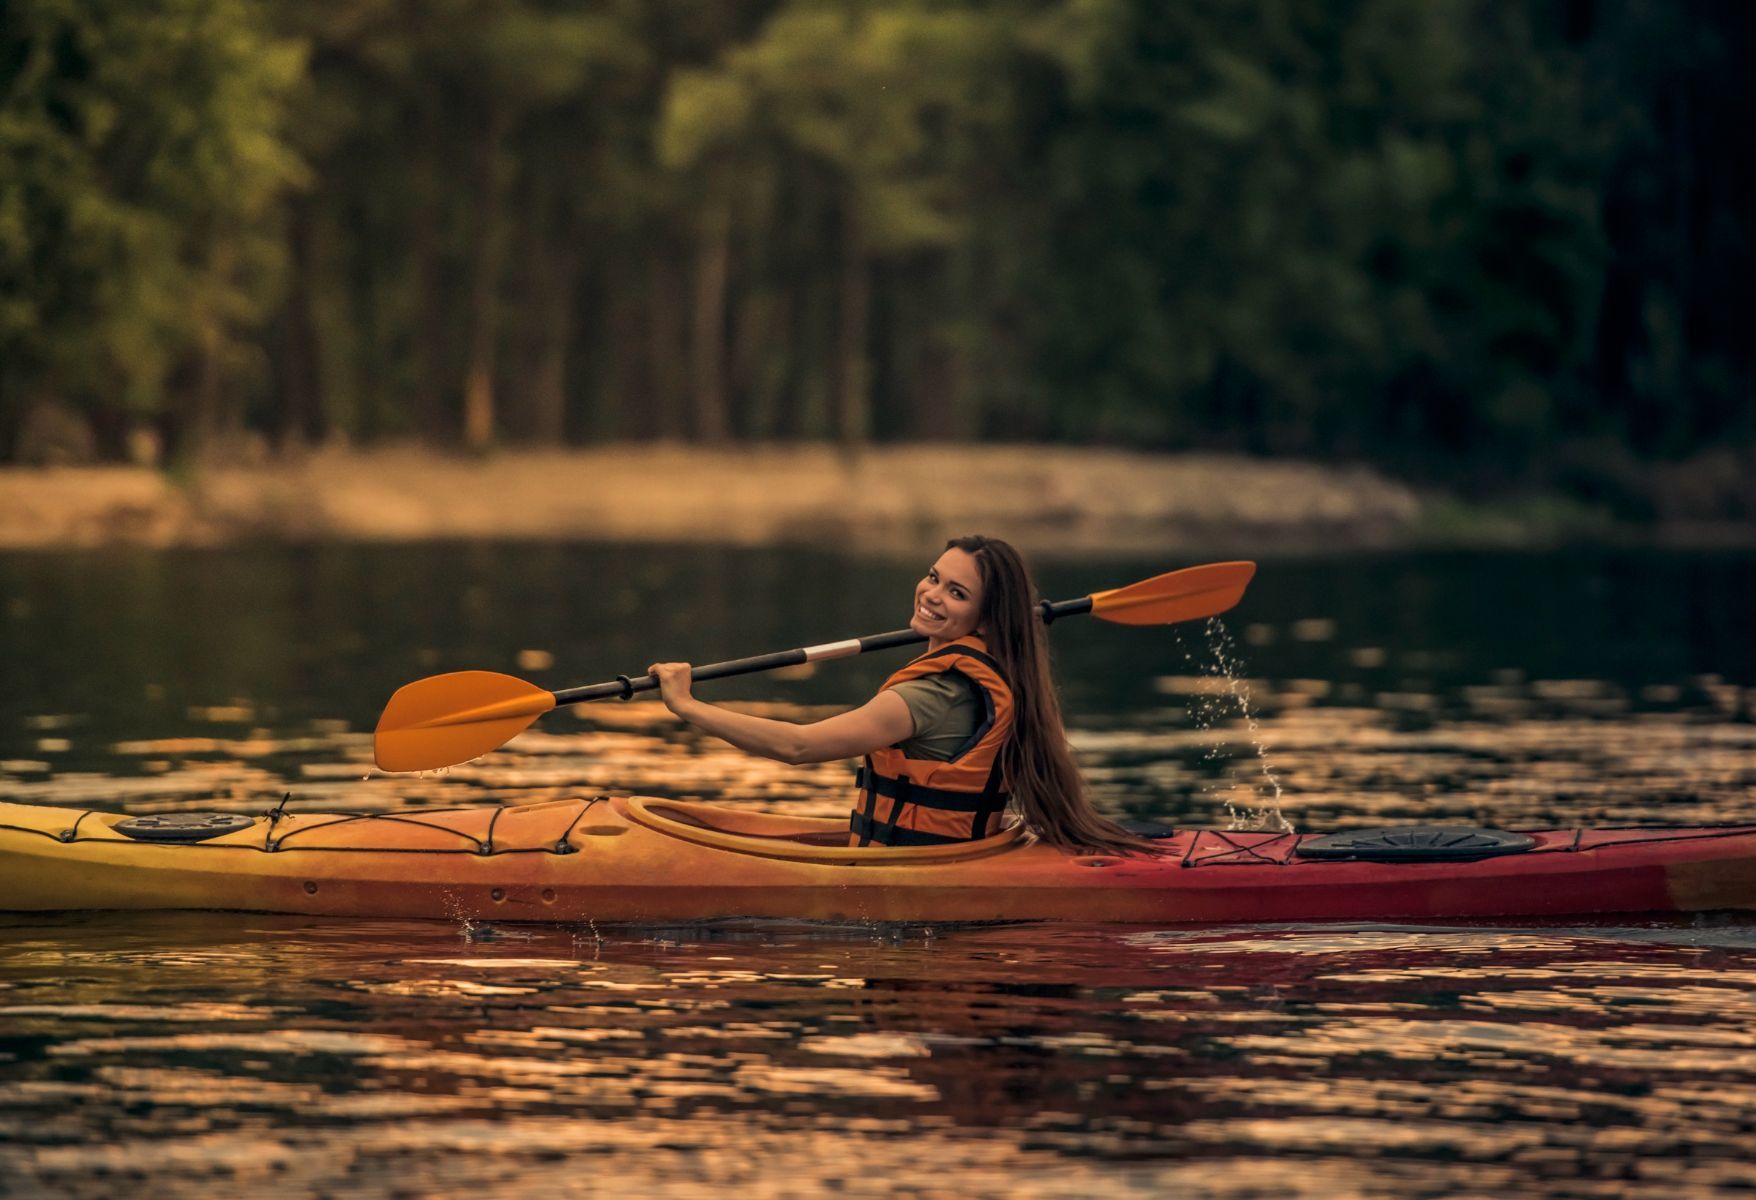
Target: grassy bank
{"x":1059,"y":499}
{"x":1055,"y":500}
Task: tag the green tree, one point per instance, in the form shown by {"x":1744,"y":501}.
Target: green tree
{"x":1315,"y":225}
{"x":445,"y":138}
{"x":141,"y":160}
{"x":865,"y":105}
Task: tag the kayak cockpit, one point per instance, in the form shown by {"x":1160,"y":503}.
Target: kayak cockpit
{"x":805,"y":839}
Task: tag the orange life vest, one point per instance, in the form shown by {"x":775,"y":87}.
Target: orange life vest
{"x":905,"y":801}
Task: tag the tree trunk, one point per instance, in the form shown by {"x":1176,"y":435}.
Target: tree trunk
{"x":552,"y":266}
{"x":665,"y":347}
{"x":204,"y":395}
{"x":204,"y":413}
{"x":854,"y":367}
{"x":709,"y":348}
{"x":811,"y":381}
{"x":761,"y":348}
{"x":301,"y":379}
{"x":478,"y":388}
{"x":548,"y":396}
{"x":616,"y":352}
{"x":944,"y":401}
{"x":433,"y":358}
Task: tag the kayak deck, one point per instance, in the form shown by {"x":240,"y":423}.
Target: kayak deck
{"x":629,"y":859}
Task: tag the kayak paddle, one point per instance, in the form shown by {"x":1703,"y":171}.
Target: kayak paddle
{"x":448,"y":719}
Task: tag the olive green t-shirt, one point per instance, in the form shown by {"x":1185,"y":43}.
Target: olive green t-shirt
{"x":946,"y":707}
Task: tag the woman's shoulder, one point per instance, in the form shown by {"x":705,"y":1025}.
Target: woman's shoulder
{"x":945,"y":709}
{"x":933,"y":698}
{"x":947,"y":687}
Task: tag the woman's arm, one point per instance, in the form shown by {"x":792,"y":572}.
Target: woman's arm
{"x":883,"y":720}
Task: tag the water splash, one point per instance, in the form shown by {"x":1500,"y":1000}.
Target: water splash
{"x":1209,"y":708}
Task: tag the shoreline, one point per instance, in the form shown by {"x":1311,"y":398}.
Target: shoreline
{"x":1060,"y":501}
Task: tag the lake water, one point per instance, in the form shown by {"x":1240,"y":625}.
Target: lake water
{"x":165,"y":1054}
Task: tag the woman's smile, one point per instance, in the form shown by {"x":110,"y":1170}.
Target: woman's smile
{"x":948,"y":601}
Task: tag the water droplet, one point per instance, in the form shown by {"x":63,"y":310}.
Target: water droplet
{"x":1210,"y":707}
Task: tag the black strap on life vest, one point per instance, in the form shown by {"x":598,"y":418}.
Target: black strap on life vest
{"x":909,"y":792}
{"x":902,"y":791}
{"x":982,"y":806}
{"x":862,"y":823}
{"x":864,"y":828}
{"x":993,"y":800}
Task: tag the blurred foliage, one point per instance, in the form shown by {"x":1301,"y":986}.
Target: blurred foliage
{"x":143,"y":162}
{"x":1503,"y":240}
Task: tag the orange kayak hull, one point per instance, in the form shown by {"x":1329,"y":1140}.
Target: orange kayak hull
{"x":634,"y":860}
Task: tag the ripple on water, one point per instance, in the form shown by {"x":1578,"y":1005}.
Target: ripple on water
{"x":1091,"y":1059}
{"x":168,"y":1054}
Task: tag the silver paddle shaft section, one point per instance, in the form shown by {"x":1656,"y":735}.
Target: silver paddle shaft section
{"x":624,"y":686}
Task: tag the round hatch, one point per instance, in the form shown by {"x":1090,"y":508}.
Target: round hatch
{"x":1416,"y":843}
{"x":182,"y":827}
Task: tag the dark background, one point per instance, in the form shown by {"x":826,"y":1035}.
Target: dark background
{"x":1501,"y":245}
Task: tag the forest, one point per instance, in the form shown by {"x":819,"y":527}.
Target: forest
{"x":1497,"y":243}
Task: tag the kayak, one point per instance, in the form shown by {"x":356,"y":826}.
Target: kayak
{"x":645,"y":860}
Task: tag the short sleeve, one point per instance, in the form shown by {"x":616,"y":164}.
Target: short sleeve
{"x":946,"y":709}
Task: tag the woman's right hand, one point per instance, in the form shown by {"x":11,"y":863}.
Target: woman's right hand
{"x":674,"y":679}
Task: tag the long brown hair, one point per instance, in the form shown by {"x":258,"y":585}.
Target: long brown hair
{"x":1040,"y":772}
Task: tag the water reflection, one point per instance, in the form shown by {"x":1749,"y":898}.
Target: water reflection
{"x":1333,"y":767}
{"x":356,"y":1056}
{"x":165,"y":1054}
{"x":1501,"y":689}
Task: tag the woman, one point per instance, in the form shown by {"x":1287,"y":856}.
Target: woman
{"x":953,"y":736}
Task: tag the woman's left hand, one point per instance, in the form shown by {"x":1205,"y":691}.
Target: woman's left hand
{"x":674,"y":681}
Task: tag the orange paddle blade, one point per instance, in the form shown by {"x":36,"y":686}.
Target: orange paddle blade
{"x":1186,"y":595}
{"x":444,"y":720}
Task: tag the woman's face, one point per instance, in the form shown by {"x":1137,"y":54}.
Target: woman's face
{"x":948,"y":602}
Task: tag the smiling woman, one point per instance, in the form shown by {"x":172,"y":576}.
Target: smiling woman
{"x":954,"y":738}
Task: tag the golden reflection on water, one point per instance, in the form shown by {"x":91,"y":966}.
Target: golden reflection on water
{"x":1512,"y":753}
{"x":294,"y":1057}
{"x":289,"y":1056}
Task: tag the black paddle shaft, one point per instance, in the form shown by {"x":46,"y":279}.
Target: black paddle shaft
{"x":624,"y":686}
